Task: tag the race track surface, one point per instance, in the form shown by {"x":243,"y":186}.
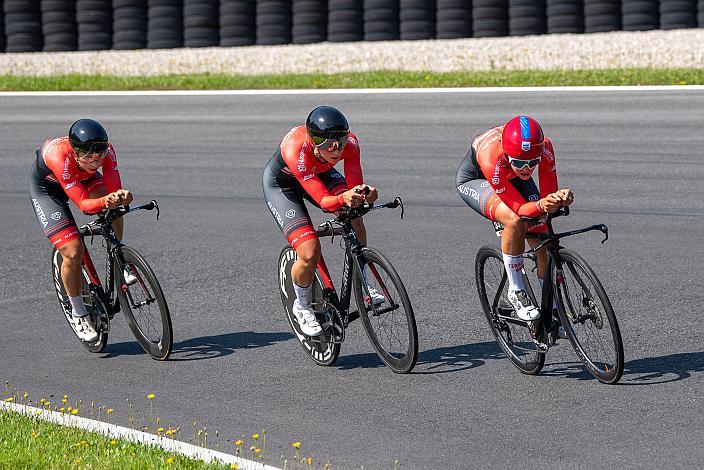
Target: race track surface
{"x":633,"y":159}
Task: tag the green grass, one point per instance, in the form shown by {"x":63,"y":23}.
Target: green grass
{"x":27,"y":442}
{"x":386,"y":79}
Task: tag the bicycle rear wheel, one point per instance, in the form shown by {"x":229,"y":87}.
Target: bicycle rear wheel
{"x":588,"y":318}
{"x":144,"y":305}
{"x":514,"y":339}
{"x":94,"y":306}
{"x":323,"y":349}
{"x":391,"y":324}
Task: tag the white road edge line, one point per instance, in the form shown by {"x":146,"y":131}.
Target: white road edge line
{"x":132,"y":435}
{"x":360,"y":91}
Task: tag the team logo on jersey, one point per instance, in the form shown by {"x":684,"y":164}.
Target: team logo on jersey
{"x":290,"y":213}
{"x":533,"y":197}
{"x":66,"y":175}
{"x":56,"y":215}
{"x":485,"y":184}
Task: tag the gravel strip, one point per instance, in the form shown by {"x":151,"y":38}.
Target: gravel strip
{"x":657,"y":49}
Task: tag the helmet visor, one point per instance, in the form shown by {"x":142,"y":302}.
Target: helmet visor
{"x":332,"y":143}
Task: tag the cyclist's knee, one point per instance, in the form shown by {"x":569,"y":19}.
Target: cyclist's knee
{"x":308,"y":252}
{"x":72,"y":252}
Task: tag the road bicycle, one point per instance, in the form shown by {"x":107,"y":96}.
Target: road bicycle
{"x":142,"y":302}
{"x":583,"y":308}
{"x":390,"y":325}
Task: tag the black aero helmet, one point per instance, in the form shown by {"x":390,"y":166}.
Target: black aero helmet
{"x":326,"y":122}
{"x":89,"y":136}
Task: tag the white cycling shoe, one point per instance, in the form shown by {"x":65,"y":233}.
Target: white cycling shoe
{"x":523,"y":306}
{"x":374,"y":297}
{"x":128,"y":276}
{"x":84,"y":328}
{"x":306,"y":320}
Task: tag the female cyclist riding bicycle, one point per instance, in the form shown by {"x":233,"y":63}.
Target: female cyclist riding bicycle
{"x":495,"y":179}
{"x":303,"y":168}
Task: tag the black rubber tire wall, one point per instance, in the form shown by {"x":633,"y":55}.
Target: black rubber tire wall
{"x":675,"y":14}
{"x":453,"y":19}
{"x":59,"y":25}
{"x":201,"y":25}
{"x":489,"y":18}
{"x":237,"y":22}
{"x":273,"y":22}
{"x":416,"y":19}
{"x":381,"y":20}
{"x":526,"y":17}
{"x":23,"y":27}
{"x":310,"y":19}
{"x":129,"y":24}
{"x":94,"y":18}
{"x":602,"y":15}
{"x":700,"y":13}
{"x":565,"y":16}
{"x":640,"y":15}
{"x":164,"y":24}
{"x":2,"y":30}
{"x":345,"y":20}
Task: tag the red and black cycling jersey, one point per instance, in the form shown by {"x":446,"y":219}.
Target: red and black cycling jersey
{"x":297,"y":160}
{"x":56,"y":163}
{"x":490,"y":159}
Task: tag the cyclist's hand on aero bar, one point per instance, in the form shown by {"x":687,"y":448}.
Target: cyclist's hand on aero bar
{"x":566,"y":196}
{"x":372,"y":195}
{"x":354,"y":197}
{"x":121,"y":197}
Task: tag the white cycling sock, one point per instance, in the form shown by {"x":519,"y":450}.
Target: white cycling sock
{"x":303,"y":295}
{"x":514,"y":270}
{"x":79,"y":309}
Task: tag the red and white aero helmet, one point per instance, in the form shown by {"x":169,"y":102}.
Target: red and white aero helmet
{"x":522,"y":138}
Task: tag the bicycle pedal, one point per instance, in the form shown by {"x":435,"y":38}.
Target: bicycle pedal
{"x":540,"y":345}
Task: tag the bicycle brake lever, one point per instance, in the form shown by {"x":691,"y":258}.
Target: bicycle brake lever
{"x":605,"y":230}
{"x":400,"y":203}
{"x":155,"y":206}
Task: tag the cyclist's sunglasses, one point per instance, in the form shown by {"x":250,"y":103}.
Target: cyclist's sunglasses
{"x":523,"y":163}
{"x":330,"y":144}
{"x":90,"y":156}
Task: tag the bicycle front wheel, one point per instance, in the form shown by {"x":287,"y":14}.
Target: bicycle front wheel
{"x":144,"y":305}
{"x":389,"y":323}
{"x":588,"y":318}
{"x":513,"y":338}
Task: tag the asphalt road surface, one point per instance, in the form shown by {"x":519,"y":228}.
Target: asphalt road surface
{"x":633,"y":160}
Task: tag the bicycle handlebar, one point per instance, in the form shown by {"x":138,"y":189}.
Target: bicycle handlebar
{"x":346,"y":214}
{"x":109,"y":216}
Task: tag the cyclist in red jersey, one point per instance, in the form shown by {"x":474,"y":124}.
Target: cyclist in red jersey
{"x":67,"y":168}
{"x":495,"y":179}
{"x":303,"y":168}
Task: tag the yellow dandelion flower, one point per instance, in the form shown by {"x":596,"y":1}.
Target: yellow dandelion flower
{"x":26,"y":395}
{"x":35,"y":434}
{"x":255,"y":436}
{"x":234,"y":466}
{"x":41,"y":401}
{"x":109,"y":410}
{"x":74,"y":411}
{"x":10,"y":399}
{"x":151,"y":396}
{"x":296,"y":445}
{"x":257,"y":450}
{"x":66,"y":396}
{"x":239,"y":442}
{"x":62,"y":409}
{"x":64,"y":401}
{"x":113,"y":442}
{"x":160,"y":430}
{"x":78,"y":461}
{"x":170,"y":460}
{"x":47,"y":403}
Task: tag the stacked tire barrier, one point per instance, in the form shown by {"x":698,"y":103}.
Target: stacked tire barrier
{"x":565,"y":16}
{"x":526,"y":17}
{"x":490,"y":18}
{"x":417,"y":19}
{"x":23,"y":27}
{"x":381,"y":20}
{"x":453,"y":19}
{"x":237,"y":25}
{"x":67,"y":25}
{"x":129,"y":24}
{"x":59,"y":25}
{"x":94,"y":18}
{"x":310,"y":18}
{"x":164,"y":24}
{"x":345,"y":20}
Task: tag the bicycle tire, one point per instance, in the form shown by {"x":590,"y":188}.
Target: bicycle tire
{"x":398,"y":351}
{"x":156,"y":341}
{"x":575,"y":299}
{"x":99,"y":344}
{"x":491,"y":280}
{"x":323,"y":350}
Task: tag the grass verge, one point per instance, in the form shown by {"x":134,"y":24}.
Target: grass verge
{"x":27,"y":442}
{"x":384,"y":79}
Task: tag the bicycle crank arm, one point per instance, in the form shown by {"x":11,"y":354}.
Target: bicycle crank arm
{"x":143,"y":303}
{"x":388,"y":309}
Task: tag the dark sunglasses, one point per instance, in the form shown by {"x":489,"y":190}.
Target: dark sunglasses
{"x":523,"y":163}
{"x":330,"y":144}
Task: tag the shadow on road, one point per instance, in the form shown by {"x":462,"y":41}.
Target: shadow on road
{"x":433,"y":361}
{"x":205,"y":347}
